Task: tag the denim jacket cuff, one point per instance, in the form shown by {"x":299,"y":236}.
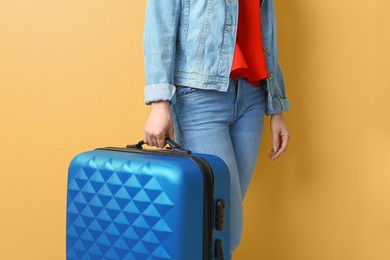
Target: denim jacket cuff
{"x":276,"y":106}
{"x":159,"y":92}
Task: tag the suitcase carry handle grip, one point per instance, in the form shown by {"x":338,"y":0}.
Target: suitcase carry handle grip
{"x":173,"y":145}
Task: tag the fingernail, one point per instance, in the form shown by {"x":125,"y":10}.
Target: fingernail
{"x":275,"y":148}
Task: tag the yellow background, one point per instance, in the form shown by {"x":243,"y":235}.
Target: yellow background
{"x":71,"y":79}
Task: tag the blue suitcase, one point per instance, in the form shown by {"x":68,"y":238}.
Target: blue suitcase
{"x":134,"y":203}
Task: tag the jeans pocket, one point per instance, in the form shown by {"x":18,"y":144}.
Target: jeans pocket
{"x":182,"y":91}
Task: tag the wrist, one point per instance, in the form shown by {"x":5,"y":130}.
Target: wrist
{"x":277,"y":115}
{"x":159,"y":104}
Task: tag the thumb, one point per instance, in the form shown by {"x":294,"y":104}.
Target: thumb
{"x":275,"y":146}
{"x":170,"y":134}
{"x":275,"y":142}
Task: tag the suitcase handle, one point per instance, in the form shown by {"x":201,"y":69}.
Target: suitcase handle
{"x":173,"y":145}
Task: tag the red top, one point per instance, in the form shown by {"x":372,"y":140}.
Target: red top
{"x":249,"y":59}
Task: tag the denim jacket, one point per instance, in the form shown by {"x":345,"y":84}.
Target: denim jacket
{"x":191,"y":43}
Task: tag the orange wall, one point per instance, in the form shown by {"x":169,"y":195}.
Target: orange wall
{"x":71,"y":79}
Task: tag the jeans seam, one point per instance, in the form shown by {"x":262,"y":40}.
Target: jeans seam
{"x":179,"y":130}
{"x":236,"y":86}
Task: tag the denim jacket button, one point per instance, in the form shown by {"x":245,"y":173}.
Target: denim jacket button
{"x":265,"y":48}
{"x":270,"y":76}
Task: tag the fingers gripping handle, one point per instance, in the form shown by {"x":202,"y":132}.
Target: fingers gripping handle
{"x":173,"y":145}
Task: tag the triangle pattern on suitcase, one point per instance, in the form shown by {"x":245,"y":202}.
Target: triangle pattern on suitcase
{"x":116,"y":215}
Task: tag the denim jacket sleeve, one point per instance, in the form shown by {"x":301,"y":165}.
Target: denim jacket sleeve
{"x":161,"y":23}
{"x":276,"y":95}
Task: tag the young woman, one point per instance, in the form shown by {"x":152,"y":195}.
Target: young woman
{"x":212,"y":73}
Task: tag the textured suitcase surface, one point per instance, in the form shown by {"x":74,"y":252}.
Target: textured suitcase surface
{"x":143,"y":204}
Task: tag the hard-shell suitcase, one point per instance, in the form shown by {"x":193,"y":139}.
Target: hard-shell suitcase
{"x":134,"y":203}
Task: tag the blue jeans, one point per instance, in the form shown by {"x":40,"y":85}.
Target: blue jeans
{"x":228,"y":125}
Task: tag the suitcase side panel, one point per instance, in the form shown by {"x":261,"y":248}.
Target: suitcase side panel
{"x":221,"y":191}
{"x":131,"y":206}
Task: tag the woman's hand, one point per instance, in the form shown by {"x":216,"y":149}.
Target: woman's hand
{"x":280,"y":136}
{"x":159,"y":125}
